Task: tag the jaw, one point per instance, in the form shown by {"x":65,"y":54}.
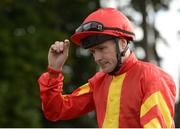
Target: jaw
{"x":107,"y":66}
{"x":107,"y":69}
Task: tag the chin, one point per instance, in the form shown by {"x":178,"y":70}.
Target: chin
{"x":106,"y":70}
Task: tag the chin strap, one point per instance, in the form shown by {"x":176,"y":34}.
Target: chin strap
{"x":119,"y":56}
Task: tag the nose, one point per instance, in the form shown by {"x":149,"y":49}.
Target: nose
{"x":97,"y":56}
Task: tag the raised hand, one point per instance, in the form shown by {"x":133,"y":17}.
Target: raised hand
{"x":58,"y":53}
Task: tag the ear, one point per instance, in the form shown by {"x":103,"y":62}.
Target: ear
{"x":123,"y":43}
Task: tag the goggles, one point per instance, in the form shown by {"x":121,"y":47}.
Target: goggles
{"x":90,"y":26}
{"x":97,"y":26}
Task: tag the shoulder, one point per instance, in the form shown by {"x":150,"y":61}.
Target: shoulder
{"x":155,"y":78}
{"x":147,"y":72}
{"x":149,"y":68}
{"x":151,"y":73}
{"x":97,"y":78}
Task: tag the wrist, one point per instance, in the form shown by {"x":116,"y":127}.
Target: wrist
{"x":53,"y":72}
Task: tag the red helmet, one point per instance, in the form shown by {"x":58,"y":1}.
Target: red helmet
{"x":104,"y":21}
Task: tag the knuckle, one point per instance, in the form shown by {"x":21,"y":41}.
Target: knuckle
{"x":61,"y":43}
{"x":53,"y":46}
{"x":56,"y":42}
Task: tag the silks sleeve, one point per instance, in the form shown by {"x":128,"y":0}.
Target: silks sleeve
{"x":62,"y":107}
{"x":157,"y":109}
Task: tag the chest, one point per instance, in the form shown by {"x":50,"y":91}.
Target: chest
{"x":120,"y":96}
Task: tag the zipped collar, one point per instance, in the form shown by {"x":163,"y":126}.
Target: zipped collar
{"x":129,"y":62}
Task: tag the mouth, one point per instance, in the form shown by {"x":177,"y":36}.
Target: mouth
{"x":103,"y":64}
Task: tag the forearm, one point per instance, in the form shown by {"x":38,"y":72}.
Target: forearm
{"x":61,"y":107}
{"x":50,"y":93}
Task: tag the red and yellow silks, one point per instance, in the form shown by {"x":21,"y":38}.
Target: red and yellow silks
{"x":141,"y":95}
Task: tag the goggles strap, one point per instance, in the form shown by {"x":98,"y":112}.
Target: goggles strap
{"x":119,"y":56}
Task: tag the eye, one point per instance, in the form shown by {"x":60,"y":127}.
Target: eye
{"x":101,"y":48}
{"x":92,"y":51}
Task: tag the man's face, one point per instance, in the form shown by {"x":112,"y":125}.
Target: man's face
{"x":105,"y":55}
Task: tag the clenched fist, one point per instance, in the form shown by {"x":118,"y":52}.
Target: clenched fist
{"x":58,"y":54}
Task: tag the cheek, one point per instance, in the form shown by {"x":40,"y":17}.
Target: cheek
{"x":112,"y":55}
{"x":112,"y":59}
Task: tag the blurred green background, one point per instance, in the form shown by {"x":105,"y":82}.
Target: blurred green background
{"x":27,"y":29}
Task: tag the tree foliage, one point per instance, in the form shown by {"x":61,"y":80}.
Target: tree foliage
{"x":27,"y":30}
{"x":151,"y":34}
